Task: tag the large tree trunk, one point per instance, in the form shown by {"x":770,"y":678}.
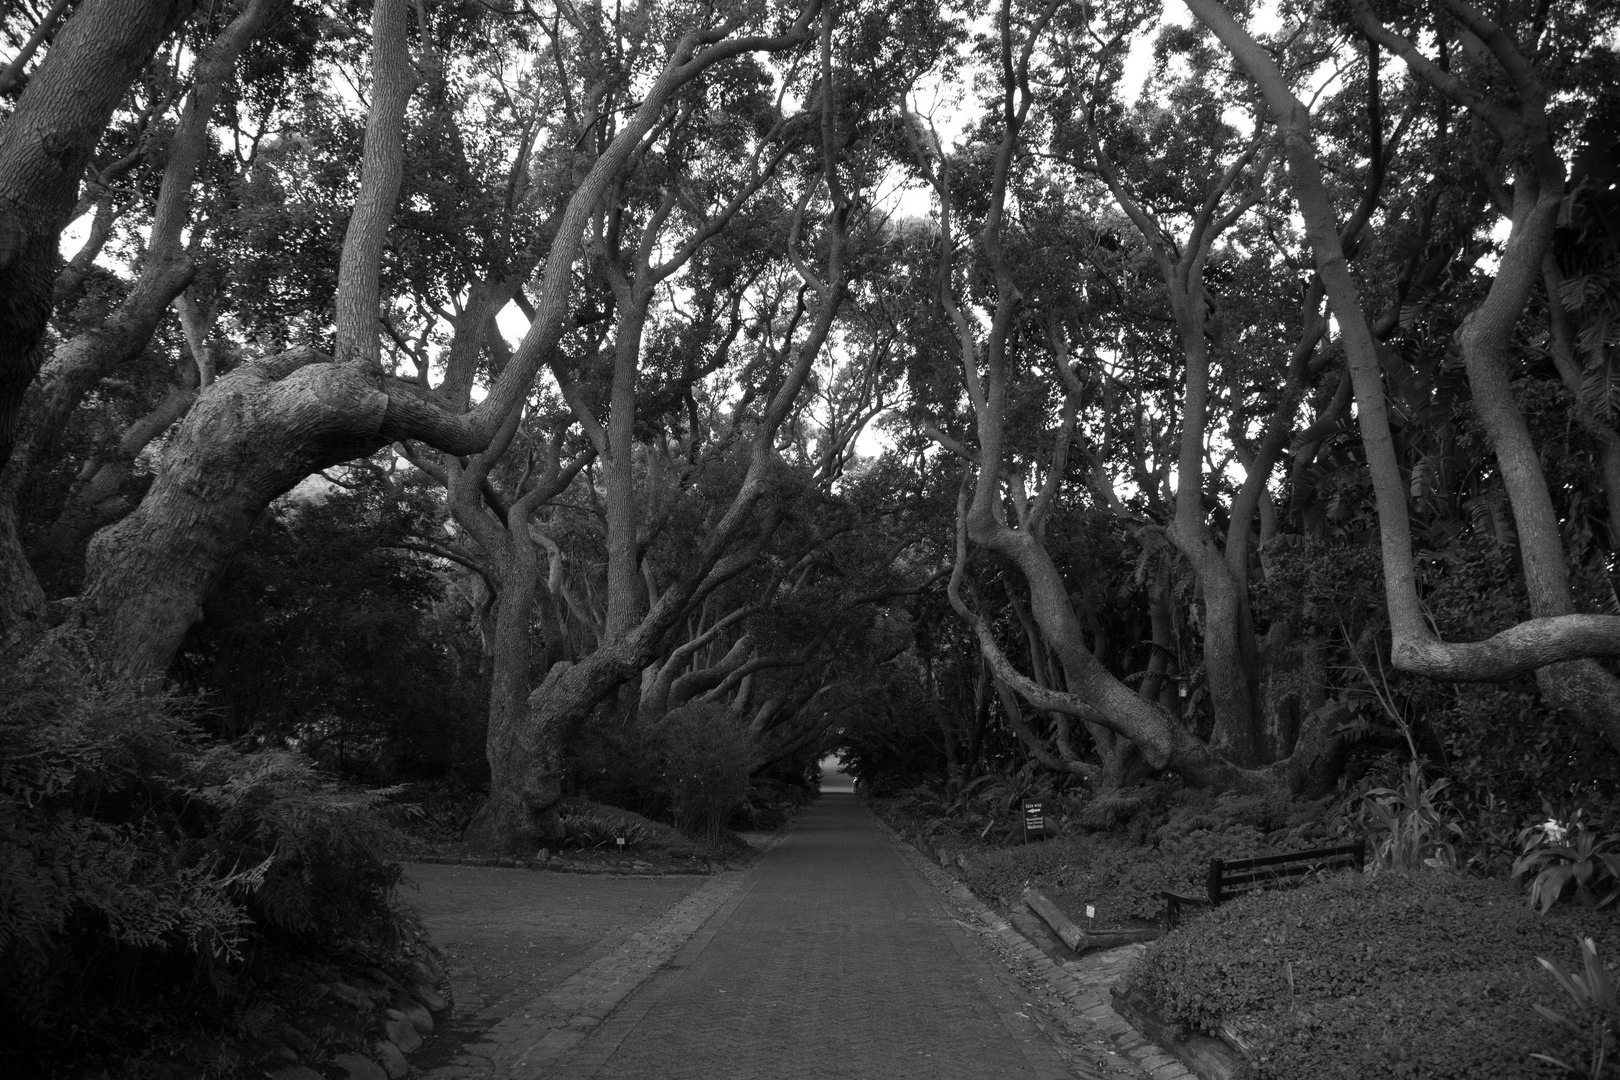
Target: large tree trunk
{"x":514,"y":766}
{"x":44,"y":147}
{"x":1231,"y":661}
{"x":624,"y":585}
{"x":1164,"y":743}
{"x":166,"y":269}
{"x":1581,"y":686}
{"x":530,"y":777}
{"x":1554,"y":637}
{"x":259,"y":431}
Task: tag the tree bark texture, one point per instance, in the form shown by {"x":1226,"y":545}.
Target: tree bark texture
{"x":1554,"y":635}
{"x":382,"y":166}
{"x":624,"y":585}
{"x":45,"y":146}
{"x":78,"y":364}
{"x":22,"y":601}
{"x":259,"y":430}
{"x":515,"y":764}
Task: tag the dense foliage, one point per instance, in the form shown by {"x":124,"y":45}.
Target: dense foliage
{"x":1420,"y":975}
{"x":627,"y":402}
{"x":328,"y":634}
{"x":154,"y":883}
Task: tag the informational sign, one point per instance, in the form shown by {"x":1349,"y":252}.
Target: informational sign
{"x":1034,"y":821}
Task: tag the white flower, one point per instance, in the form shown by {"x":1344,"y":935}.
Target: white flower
{"x":1554,"y":831}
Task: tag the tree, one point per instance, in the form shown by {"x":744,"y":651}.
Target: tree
{"x":1556,"y":642}
{"x":45,"y":144}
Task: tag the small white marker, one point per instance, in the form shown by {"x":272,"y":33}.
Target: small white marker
{"x":1091,"y":912}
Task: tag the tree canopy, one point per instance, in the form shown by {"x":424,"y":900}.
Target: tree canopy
{"x":1211,"y":389}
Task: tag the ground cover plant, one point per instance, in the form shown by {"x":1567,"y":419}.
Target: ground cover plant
{"x":582,"y":828}
{"x":1415,"y":968}
{"x":1119,"y":851}
{"x":1412,"y":974}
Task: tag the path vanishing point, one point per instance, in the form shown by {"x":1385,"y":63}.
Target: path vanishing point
{"x":832,"y":957}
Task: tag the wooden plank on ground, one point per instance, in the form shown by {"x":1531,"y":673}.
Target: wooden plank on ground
{"x":1108,"y":939}
{"x":1077,"y":939}
{"x":1061,"y":924}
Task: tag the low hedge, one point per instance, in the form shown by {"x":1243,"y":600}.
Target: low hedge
{"x":1429,"y":975}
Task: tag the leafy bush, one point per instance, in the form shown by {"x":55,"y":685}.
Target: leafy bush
{"x":596,"y":825}
{"x":586,"y":829}
{"x":1411,"y":827}
{"x":1135,"y":811}
{"x":323,"y":633}
{"x":770,"y":804}
{"x":1361,"y":975}
{"x":705,"y":754}
{"x":1564,"y":855}
{"x":140,"y":864}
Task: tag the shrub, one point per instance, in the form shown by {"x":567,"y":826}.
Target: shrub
{"x":1119,"y":876}
{"x":140,"y":864}
{"x":1425,"y":975}
{"x":770,"y":804}
{"x":586,"y":829}
{"x":1564,"y":855}
{"x":705,"y":754}
{"x":1410,"y":826}
{"x":1135,"y":811}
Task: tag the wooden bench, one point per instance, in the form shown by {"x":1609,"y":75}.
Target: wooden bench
{"x":1231,"y":878}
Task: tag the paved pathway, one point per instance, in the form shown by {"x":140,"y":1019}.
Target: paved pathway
{"x":510,"y":936}
{"x":833,"y":959}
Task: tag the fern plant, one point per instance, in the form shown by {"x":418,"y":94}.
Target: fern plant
{"x":140,"y":863}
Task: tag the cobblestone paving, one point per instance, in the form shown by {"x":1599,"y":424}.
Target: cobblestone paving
{"x":835,"y":959}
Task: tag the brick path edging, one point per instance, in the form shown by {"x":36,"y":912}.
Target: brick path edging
{"x":559,"y":865}
{"x":539,"y":1034}
{"x":1089,"y":1010}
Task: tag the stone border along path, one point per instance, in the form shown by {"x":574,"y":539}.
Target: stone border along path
{"x":537,"y":1039}
{"x":1082,"y":1005}
{"x":535,"y":1036}
{"x":565,"y":866}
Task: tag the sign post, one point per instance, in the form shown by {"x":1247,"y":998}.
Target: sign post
{"x":1034,"y":821}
